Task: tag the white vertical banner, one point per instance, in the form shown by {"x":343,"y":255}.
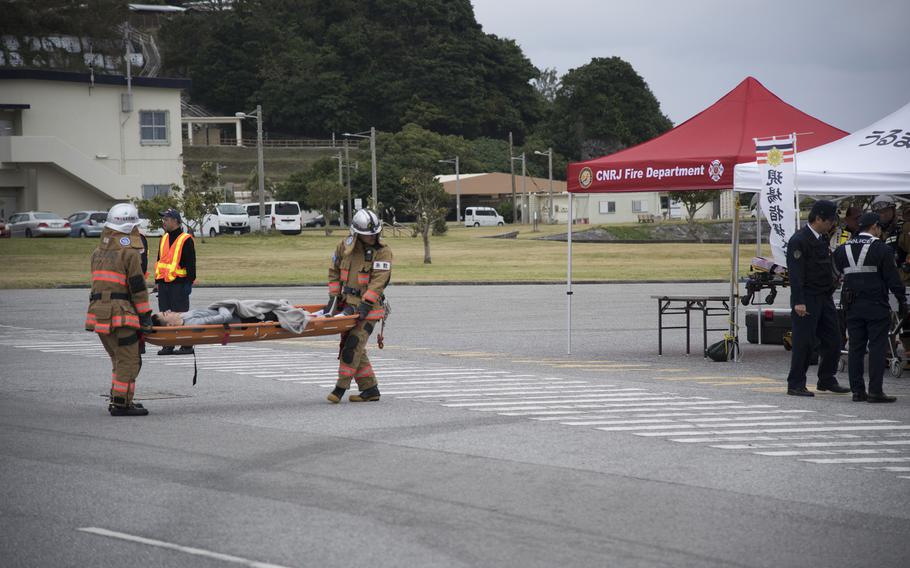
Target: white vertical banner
{"x":777,"y":169}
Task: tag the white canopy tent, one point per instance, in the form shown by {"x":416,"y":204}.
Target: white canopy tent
{"x":872,"y":160}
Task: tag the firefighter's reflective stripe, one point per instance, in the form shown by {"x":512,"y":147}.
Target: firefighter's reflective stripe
{"x":104,"y":328}
{"x":345,"y":370}
{"x":344,"y":274}
{"x":366,"y":371}
{"x":108,"y":276}
{"x":374,"y":315}
{"x":363,"y":278}
{"x":371,"y":296}
{"x":334,"y":288}
{"x":167,"y":267}
{"x":120,"y":386}
{"x":126,"y":320}
{"x":143,"y":307}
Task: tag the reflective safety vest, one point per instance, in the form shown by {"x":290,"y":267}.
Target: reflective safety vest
{"x":169,"y":258}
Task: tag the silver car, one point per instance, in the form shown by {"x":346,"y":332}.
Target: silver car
{"x":87,"y":223}
{"x":38,"y":224}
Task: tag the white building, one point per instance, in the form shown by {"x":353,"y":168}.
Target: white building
{"x":73,"y":141}
{"x":629,"y":207}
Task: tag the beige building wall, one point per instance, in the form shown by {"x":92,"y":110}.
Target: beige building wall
{"x":596,"y":209}
{"x":81,"y":150}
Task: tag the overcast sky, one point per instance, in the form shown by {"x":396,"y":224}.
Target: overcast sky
{"x":845,"y":62}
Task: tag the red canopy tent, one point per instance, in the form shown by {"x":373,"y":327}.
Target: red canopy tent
{"x":700,"y":153}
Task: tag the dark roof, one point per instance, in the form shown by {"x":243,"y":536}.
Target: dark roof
{"x":14,"y":106}
{"x":73,"y":77}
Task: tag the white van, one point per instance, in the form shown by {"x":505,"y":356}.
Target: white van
{"x":482,"y":216}
{"x":281,"y":216}
{"x":227,"y":218}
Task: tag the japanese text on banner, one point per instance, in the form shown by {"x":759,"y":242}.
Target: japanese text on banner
{"x":778,"y":172}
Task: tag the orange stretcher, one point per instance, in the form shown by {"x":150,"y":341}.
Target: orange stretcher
{"x":242,"y":332}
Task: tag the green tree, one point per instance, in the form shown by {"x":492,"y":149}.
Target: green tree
{"x":324,"y":195}
{"x":427,"y":202}
{"x":694,"y":201}
{"x":151,"y":208}
{"x":603,"y":107}
{"x":200,"y":196}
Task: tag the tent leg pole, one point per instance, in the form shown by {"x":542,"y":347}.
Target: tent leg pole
{"x":734,"y":273}
{"x":569,"y":283}
{"x":758,"y":295}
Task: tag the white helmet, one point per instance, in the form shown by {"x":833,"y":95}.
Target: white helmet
{"x":122,"y":217}
{"x":882,"y":202}
{"x":365,"y":222}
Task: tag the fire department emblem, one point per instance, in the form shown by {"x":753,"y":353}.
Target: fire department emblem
{"x":585,"y":178}
{"x":716,"y":170}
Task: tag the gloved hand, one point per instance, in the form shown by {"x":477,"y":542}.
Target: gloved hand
{"x":362,"y":310}
{"x":145,"y":321}
{"x":329,"y":309}
{"x":347,"y":311}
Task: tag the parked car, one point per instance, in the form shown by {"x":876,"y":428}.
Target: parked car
{"x":486,"y":216}
{"x":4,"y":229}
{"x":38,"y":224}
{"x":281,"y":216}
{"x":87,"y":223}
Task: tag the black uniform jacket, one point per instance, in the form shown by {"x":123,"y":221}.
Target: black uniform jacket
{"x":869,"y":276}
{"x":810,"y":267}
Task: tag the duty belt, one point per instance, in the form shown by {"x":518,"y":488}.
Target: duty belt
{"x":352,"y":291}
{"x":114,"y":296}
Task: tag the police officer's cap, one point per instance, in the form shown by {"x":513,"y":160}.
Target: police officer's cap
{"x":867,"y":220}
{"x":823,"y":209}
{"x":172,"y":213}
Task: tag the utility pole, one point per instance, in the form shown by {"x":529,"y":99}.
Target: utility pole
{"x":260,"y":170}
{"x":373,"y":161}
{"x":512,"y":170}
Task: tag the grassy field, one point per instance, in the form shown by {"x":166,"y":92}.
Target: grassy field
{"x":460,"y":256}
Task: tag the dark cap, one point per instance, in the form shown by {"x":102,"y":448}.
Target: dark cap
{"x":823,"y":209}
{"x":172,"y":213}
{"x":868,"y":219}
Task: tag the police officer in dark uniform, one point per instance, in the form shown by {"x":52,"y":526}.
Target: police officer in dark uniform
{"x":812,"y":284}
{"x":867,"y":264}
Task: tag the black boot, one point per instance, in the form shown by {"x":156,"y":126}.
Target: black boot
{"x":879,"y":397}
{"x":134,"y":409}
{"x":336,"y":395}
{"x":169,"y":350}
{"x":369,"y":395}
{"x":185,"y":350}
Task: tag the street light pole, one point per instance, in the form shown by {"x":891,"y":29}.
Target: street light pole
{"x":512,"y":173}
{"x":373,"y":166}
{"x":347,"y":161}
{"x":549,"y":155}
{"x":260,"y":170}
{"x":372,"y":138}
{"x":457,"y":186}
{"x":523,"y":183}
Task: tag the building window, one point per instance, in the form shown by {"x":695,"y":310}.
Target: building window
{"x":639,"y":206}
{"x":607,"y":207}
{"x":150,"y":191}
{"x":153,"y":127}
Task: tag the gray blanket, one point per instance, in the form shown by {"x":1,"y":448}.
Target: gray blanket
{"x":290,"y":318}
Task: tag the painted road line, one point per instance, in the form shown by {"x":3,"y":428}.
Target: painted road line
{"x":812,"y":444}
{"x":660,"y":401}
{"x":583,"y":391}
{"x":477,"y":380}
{"x":455,"y":391}
{"x":856,"y":460}
{"x":779,"y":430}
{"x":893,"y":468}
{"x":796,"y":453}
{"x":645,"y":412}
{"x":664,"y":420}
{"x":560,"y":390}
{"x":638,"y":406}
{"x":179,"y":548}
{"x":733,"y":412}
{"x":767,"y":438}
{"x":794,"y":423}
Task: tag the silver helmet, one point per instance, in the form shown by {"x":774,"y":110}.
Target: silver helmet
{"x":365,"y":222}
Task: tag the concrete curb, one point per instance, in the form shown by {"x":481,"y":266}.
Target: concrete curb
{"x":434,"y":283}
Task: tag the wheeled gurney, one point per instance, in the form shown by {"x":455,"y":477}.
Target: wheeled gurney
{"x":244,"y":332}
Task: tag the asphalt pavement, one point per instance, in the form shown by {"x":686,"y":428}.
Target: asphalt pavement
{"x":491,"y":445}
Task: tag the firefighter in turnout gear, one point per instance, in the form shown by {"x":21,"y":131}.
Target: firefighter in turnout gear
{"x":869,"y":273}
{"x":119,"y":304}
{"x":361,"y":269}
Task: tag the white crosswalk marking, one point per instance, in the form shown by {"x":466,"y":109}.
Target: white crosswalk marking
{"x":728,"y":425}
